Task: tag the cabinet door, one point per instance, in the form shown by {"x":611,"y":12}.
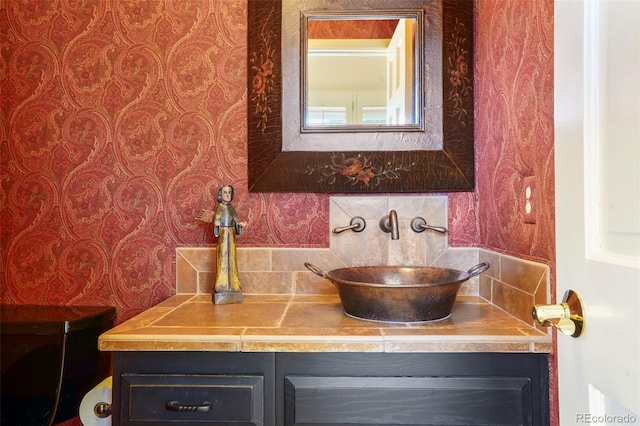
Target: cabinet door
{"x":160,"y":399}
{"x":407,"y":400}
{"x":233,"y":379}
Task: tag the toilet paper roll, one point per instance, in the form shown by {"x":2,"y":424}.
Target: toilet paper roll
{"x":99,"y":394}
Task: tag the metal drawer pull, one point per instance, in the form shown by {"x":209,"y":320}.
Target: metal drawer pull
{"x":177,"y":406}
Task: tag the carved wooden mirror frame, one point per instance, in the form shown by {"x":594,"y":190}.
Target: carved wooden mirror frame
{"x":270,"y":169}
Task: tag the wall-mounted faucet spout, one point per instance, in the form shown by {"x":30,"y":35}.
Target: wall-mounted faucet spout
{"x":389,"y":223}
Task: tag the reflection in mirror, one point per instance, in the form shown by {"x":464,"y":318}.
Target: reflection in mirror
{"x":361,"y":72}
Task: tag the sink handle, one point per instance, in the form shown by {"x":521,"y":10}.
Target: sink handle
{"x":357,"y":224}
{"x":478,"y":269}
{"x":418,"y":224}
{"x":315,"y":270}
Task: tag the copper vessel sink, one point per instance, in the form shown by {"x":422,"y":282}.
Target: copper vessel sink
{"x":398,"y":293}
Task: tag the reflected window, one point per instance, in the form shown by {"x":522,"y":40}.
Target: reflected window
{"x":374,"y":115}
{"x":327,"y":116}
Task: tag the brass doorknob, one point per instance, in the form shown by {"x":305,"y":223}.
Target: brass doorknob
{"x":566,"y":316}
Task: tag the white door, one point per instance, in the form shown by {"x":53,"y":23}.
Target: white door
{"x":400,"y":78}
{"x":597,"y":142}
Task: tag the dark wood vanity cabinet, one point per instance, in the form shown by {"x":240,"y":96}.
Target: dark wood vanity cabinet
{"x":193,"y":388}
{"x":413,"y":389}
{"x":212,"y":388}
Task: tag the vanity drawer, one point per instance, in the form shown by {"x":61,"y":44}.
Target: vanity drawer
{"x":166,"y":399}
{"x":408,"y":400}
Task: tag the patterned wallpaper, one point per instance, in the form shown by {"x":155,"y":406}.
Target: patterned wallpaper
{"x":119,"y":121}
{"x":514,"y":132}
{"x":345,"y":28}
{"x":120,"y":118}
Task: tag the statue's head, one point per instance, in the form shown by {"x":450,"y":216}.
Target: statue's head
{"x":225,"y":193}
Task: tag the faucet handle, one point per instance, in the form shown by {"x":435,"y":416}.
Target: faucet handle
{"x":357,"y":224}
{"x":418,"y":224}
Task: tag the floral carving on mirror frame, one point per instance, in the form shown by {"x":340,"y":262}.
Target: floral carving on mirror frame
{"x":262,"y":68}
{"x":459,"y":72}
{"x":358,"y":170}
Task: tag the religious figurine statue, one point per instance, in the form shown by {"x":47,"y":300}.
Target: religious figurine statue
{"x":226,"y":225}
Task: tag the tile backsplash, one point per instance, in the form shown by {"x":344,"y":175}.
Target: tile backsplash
{"x":515,"y":284}
{"x":511,"y":283}
{"x":372,"y":246}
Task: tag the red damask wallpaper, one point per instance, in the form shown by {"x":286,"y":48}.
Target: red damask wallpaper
{"x":514,"y":132}
{"x":120,"y":119}
{"x":372,"y":29}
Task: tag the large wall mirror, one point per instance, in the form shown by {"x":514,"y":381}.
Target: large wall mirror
{"x":406,"y":126}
